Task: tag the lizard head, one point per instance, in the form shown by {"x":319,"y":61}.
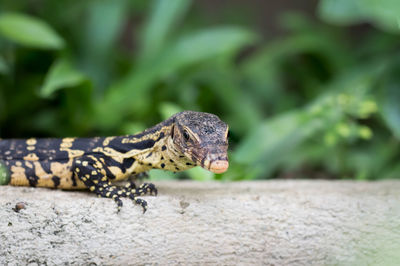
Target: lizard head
{"x":203,"y":139}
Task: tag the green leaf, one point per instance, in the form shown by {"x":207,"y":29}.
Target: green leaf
{"x":205,"y":45}
{"x":269,"y":145}
{"x":226,"y":87}
{"x":265,"y":148}
{"x":102,"y":28}
{"x":29,"y":31}
{"x":157,"y":175}
{"x":340,"y":11}
{"x":383,"y":13}
{"x":61,"y":75}
{"x":167,"y":109}
{"x":274,"y":137}
{"x":390,"y":110}
{"x":3,"y":66}
{"x":130,"y":93}
{"x":200,"y":174}
{"x":163,"y":18}
{"x":104,"y":23}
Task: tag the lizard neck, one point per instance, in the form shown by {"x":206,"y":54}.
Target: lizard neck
{"x":165,"y":156}
{"x":152,"y":149}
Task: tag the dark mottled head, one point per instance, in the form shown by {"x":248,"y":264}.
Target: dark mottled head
{"x":203,"y":139}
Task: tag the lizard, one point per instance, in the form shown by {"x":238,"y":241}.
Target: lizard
{"x":185,"y":140}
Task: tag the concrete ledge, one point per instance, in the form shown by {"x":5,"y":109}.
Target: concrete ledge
{"x":267,"y":222}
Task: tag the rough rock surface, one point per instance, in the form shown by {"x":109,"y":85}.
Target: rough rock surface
{"x":252,"y":223}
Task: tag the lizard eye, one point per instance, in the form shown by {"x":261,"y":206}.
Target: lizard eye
{"x":186,"y":135}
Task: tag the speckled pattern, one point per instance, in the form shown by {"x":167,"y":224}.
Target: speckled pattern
{"x":244,"y":223}
{"x":185,"y":140}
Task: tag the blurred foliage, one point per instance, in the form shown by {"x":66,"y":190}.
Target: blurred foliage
{"x":321,"y":101}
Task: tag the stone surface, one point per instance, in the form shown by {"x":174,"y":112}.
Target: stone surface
{"x":247,"y":223}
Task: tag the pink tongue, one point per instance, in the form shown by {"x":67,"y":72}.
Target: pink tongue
{"x":219,"y":167}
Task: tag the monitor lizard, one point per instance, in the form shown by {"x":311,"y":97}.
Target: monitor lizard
{"x":184,"y":140}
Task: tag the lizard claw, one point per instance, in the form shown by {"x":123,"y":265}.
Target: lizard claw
{"x":148,"y":188}
{"x":142,"y":203}
{"x":119,"y":204}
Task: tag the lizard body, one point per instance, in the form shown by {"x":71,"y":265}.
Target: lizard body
{"x":185,"y":140}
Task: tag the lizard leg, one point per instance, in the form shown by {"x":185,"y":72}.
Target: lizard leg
{"x":133,"y":178}
{"x":116,"y":192}
{"x":98,"y":183}
{"x":144,"y":188}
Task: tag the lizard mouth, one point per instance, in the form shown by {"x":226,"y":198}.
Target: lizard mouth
{"x":215,"y":161}
{"x":218,"y":166}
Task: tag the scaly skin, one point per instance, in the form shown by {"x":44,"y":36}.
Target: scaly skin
{"x":185,"y":140}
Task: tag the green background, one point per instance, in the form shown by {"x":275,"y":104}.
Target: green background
{"x":307,"y":94}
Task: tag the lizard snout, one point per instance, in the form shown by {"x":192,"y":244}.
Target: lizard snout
{"x":219,"y":166}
